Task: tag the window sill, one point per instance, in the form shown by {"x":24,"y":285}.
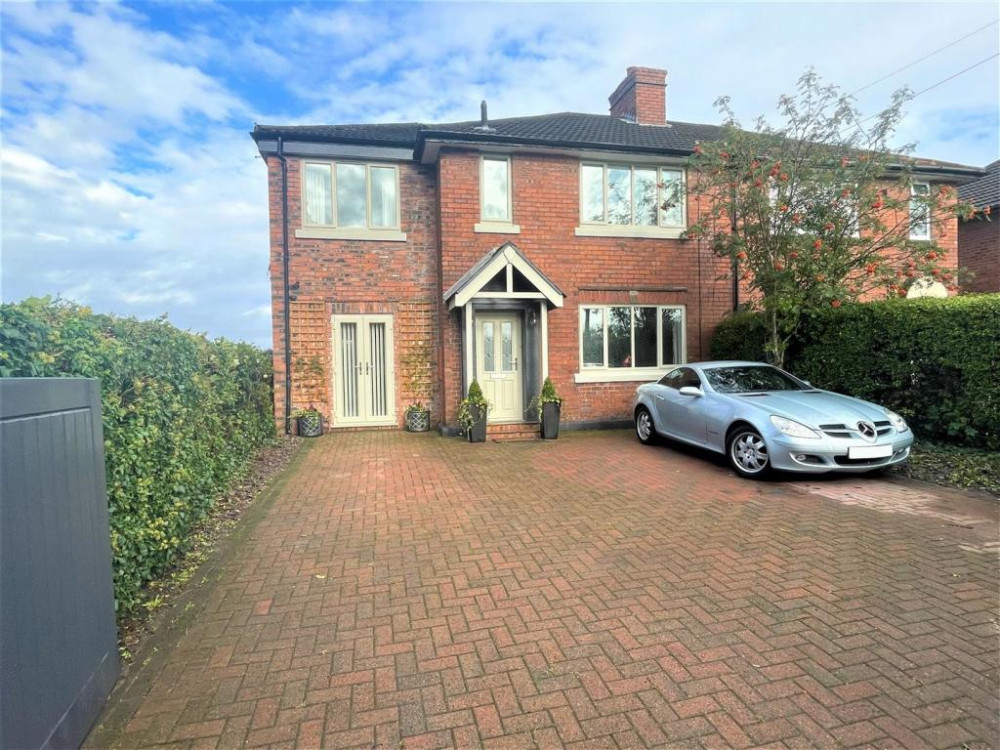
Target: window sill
{"x":621,"y":375}
{"x":496,"y":227}
{"x":323,"y":233}
{"x":617,"y":230}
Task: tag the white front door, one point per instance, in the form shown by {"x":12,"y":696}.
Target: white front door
{"x":363,"y":382}
{"x":498,"y":364}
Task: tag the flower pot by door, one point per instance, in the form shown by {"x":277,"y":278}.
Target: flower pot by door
{"x":418,"y":420}
{"x":477,"y":433}
{"x":550,"y":420}
{"x":310,"y":425}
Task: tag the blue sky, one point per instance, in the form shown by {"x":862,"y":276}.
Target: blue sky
{"x":130,"y":184}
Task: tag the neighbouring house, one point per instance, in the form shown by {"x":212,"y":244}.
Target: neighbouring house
{"x":413,"y":258}
{"x":979,"y":237}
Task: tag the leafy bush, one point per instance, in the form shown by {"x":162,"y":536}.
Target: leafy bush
{"x":935,"y":361}
{"x":182,"y":415}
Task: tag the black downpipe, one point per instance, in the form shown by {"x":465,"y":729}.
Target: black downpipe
{"x":286,"y":296}
{"x":736,"y":263}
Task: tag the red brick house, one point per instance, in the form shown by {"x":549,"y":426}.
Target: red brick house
{"x":979,"y":237}
{"x":413,"y":258}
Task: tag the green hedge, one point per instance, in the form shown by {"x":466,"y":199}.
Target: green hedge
{"x":935,"y":361}
{"x":182,"y":416}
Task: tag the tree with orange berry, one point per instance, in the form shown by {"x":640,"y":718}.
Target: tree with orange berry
{"x":820,"y":209}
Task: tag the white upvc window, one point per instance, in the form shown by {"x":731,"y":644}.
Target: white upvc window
{"x":629,"y":342}
{"x":920,"y":216}
{"x":494,"y":189}
{"x":496,"y":199}
{"x":632,"y":195}
{"x":353,"y":196}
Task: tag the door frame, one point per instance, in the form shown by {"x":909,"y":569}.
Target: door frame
{"x":363,"y":419}
{"x":517,"y":316}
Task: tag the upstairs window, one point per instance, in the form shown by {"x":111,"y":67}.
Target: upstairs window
{"x":494,"y":189}
{"x":629,"y":195}
{"x":920,"y":215}
{"x":350,"y":195}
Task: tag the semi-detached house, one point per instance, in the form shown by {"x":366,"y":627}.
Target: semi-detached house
{"x":413,"y":258}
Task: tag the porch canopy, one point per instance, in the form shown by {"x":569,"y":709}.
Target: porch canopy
{"x":503,"y":273}
{"x":506,"y":287}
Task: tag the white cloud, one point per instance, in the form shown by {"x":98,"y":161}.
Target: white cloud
{"x":129,"y":181}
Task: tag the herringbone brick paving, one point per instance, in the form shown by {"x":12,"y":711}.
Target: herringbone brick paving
{"x":419,"y":592}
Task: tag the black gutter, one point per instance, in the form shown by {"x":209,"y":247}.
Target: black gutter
{"x":286,"y":294}
{"x":459,"y":138}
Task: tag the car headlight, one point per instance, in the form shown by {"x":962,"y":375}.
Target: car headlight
{"x":793,"y":428}
{"x":897,"y":421}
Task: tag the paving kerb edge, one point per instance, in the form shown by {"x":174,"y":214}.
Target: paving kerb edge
{"x":132,"y":686}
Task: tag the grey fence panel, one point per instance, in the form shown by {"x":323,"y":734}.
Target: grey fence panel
{"x":58,"y":639}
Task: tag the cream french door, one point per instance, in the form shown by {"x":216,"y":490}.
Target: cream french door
{"x":363,"y":371}
{"x":498,"y":364}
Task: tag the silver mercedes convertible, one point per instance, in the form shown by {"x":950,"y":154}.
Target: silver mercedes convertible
{"x":763,"y":418}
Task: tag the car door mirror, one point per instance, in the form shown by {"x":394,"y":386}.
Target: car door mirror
{"x":690,"y":390}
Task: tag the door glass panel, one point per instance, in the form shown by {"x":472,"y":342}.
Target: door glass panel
{"x":349,"y":369}
{"x":645,"y":337}
{"x":489,"y":364}
{"x":593,"y":337}
{"x":378,"y":384}
{"x":506,"y":346}
{"x":351,"y":195}
{"x":671,"y":333}
{"x":620,"y":337}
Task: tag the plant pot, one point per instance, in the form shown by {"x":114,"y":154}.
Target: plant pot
{"x":477,"y":433}
{"x":550,"y":420}
{"x":418,"y":420}
{"x":309,"y":425}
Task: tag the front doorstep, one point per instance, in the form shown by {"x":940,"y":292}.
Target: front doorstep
{"x":502,"y":432}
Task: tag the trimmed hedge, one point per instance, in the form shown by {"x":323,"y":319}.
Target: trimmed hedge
{"x":182,"y":415}
{"x":935,"y":361}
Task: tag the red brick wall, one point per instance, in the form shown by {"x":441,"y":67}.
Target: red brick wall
{"x":546,"y":207}
{"x":979,"y":251}
{"x":641,"y":97}
{"x":356,"y":277}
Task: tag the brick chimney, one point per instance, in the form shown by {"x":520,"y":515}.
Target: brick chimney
{"x":641,"y":97}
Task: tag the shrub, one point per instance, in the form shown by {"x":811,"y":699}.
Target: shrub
{"x":182,"y":415}
{"x":935,"y":361}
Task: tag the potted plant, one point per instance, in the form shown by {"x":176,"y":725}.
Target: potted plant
{"x":547,"y":406}
{"x":472,"y":413}
{"x":418,"y":417}
{"x":309,"y":422}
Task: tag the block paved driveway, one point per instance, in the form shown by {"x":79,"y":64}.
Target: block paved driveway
{"x":406,"y":591}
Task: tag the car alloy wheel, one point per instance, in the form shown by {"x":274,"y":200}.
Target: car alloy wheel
{"x":748,"y":453}
{"x":644,"y":429}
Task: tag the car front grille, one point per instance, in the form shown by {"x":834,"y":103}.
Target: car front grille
{"x":844,"y":431}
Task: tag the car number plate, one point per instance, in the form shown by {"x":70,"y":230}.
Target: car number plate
{"x":869,"y":451}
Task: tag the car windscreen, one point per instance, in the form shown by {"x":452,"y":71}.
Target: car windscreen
{"x":750,"y":379}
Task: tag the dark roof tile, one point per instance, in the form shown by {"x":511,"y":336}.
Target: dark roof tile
{"x":984,"y":191}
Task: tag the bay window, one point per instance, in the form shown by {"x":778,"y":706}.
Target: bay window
{"x":629,"y":342}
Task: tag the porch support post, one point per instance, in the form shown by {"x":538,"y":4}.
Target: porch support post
{"x":543,"y":319}
{"x":468,"y":338}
